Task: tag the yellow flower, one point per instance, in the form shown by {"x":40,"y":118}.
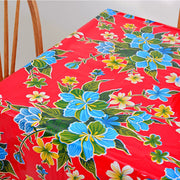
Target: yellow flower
{"x":171,"y":38}
{"x":129,"y":26}
{"x":29,"y":178}
{"x":75,"y":176}
{"x":117,"y":174}
{"x":164,"y":111}
{"x":109,"y":35}
{"x":46,"y":154}
{"x":114,"y":63}
{"x":37,"y":96}
{"x":134,"y":78}
{"x":122,"y":100}
{"x":69,"y":80}
{"x":171,"y":78}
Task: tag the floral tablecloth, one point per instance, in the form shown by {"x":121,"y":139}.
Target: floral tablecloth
{"x":102,"y":104}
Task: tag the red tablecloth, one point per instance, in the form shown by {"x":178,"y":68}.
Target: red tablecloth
{"x":102,"y":104}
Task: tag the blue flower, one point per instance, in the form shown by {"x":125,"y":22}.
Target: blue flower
{"x":158,"y":93}
{"x":165,"y":50}
{"x":27,"y":118}
{"x":48,"y":57}
{"x":154,"y":59}
{"x":42,"y":171}
{"x":97,"y":72}
{"x":147,"y":21}
{"x":3,"y":154}
{"x":137,"y":121}
{"x":173,"y":174}
{"x":18,"y":157}
{"x":85,"y":141}
{"x":83,"y":105}
{"x":111,"y":12}
{"x":73,"y":65}
{"x":105,"y":47}
{"x":129,"y":16}
{"x":109,"y":121}
{"x":146,"y":40}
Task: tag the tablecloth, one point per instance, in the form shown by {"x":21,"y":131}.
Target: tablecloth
{"x":104,"y":103}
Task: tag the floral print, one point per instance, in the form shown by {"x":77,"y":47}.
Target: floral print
{"x":93,"y":100}
{"x":172,"y":173}
{"x":28,"y":118}
{"x":46,"y":154}
{"x":37,"y":96}
{"x":90,"y":140}
{"x":85,"y":103}
{"x":158,"y":93}
{"x":117,"y":174}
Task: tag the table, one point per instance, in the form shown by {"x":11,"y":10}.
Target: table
{"x":104,"y":103}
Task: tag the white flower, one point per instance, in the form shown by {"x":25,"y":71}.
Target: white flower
{"x":76,"y":35}
{"x":109,"y":35}
{"x":75,"y":175}
{"x":37,"y":96}
{"x":117,"y":174}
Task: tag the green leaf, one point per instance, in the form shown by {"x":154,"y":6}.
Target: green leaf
{"x":29,"y":68}
{"x":63,"y":155}
{"x":104,"y":15}
{"x":36,"y":82}
{"x":97,"y":148}
{"x":173,"y":92}
{"x":46,"y":70}
{"x":63,"y":88}
{"x":68,"y":137}
{"x":165,"y":178}
{"x":152,"y":73}
{"x":59,"y":51}
{"x":155,"y":41}
{"x":130,"y":65}
{"x":121,"y":45}
{"x":105,"y":95}
{"x":98,"y":105}
{"x":77,"y":92}
{"x":61,"y":104}
{"x":137,"y":58}
{"x":89,"y":166}
{"x":128,"y":31}
{"x":7,"y":168}
{"x":124,"y":131}
{"x":126,"y":52}
{"x":127,"y":40}
{"x":112,"y":111}
{"x":39,"y":63}
{"x":52,"y":112}
{"x":16,"y":106}
{"x":55,"y":126}
{"x":156,"y":54}
{"x":175,"y":64}
{"x":159,"y":35}
{"x":96,"y":128}
{"x":137,"y":113}
{"x":147,"y":29}
{"x":59,"y":57}
{"x":110,"y":19}
{"x":175,"y":56}
{"x":121,"y":146}
{"x":92,"y":85}
{"x":137,"y":33}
